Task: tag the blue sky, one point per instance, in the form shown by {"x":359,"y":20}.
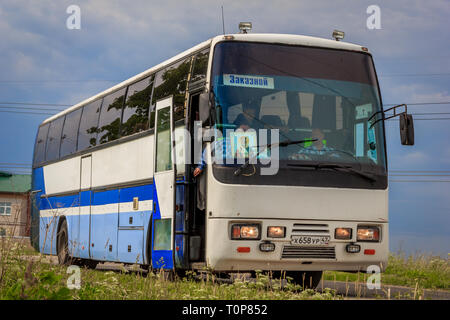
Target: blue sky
{"x":41,"y":61}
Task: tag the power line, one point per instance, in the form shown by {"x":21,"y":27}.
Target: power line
{"x":56,"y":81}
{"x":416,"y":103}
{"x":416,"y":181}
{"x":38,"y":104}
{"x":439,"y":171}
{"x":415,"y":75}
{"x":28,"y":112}
{"x":420,"y":119}
{"x":30,"y":108}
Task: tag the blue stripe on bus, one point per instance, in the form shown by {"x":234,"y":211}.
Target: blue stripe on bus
{"x":144,"y":192}
{"x":99,"y":198}
{"x":85,"y":198}
{"x":60,"y":202}
{"x":105,"y":197}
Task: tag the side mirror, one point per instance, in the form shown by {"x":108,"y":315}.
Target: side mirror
{"x":204,"y":108}
{"x":406,"y":129}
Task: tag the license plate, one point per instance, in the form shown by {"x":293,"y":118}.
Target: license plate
{"x":310,"y":240}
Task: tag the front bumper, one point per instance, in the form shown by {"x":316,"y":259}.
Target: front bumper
{"x":223,"y":253}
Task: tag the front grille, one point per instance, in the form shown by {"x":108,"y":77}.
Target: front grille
{"x":296,"y":252}
{"x":310,"y":228}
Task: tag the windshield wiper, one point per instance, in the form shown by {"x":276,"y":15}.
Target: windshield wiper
{"x":335,"y":166}
{"x":269,"y":146}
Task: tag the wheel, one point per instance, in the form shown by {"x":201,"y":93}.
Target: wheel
{"x":62,"y":244}
{"x":306,"y":279}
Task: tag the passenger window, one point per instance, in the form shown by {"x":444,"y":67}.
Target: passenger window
{"x":109,"y":123}
{"x":173,"y":81}
{"x":54,"y":139}
{"x":70,"y":133}
{"x":135,"y":112}
{"x":39,"y":148}
{"x":163,"y":141}
{"x":200,"y":66}
{"x":87,"y":135}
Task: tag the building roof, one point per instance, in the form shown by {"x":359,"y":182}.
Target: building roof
{"x":14,"y":183}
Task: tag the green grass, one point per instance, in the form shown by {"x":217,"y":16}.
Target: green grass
{"x":421,"y":270}
{"x":38,"y":279}
{"x":22,"y":278}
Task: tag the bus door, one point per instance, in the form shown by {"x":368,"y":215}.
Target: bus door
{"x":84,"y":215}
{"x":164,"y":190}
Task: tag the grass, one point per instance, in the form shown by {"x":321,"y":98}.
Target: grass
{"x":22,"y":278}
{"x":38,"y":279}
{"x":420,"y":270}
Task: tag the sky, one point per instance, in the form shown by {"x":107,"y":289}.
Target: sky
{"x":44,"y":62}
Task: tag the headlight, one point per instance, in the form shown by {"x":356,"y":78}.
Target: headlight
{"x":371,"y":234}
{"x":245,"y":232}
{"x":343,"y":233}
{"x":276,"y":232}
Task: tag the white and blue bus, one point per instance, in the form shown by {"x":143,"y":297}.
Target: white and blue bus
{"x":113,"y":175}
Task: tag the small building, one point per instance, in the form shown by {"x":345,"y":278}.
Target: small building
{"x":15,"y":204}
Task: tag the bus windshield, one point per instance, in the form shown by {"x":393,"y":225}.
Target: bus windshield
{"x":323,"y":96}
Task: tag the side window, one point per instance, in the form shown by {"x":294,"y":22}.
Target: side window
{"x":70,"y":133}
{"x":163,"y":141}
{"x":173,"y":81}
{"x":54,"y":139}
{"x":200,"y":66}
{"x":135,"y":112}
{"x":5,"y":208}
{"x":87,"y":134}
{"x":109,"y":123}
{"x":39,"y":148}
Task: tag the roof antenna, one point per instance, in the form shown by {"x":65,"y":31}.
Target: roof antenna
{"x":223,"y":22}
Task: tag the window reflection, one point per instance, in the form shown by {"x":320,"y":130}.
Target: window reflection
{"x":87,"y":134}
{"x":172,"y":81}
{"x":109,"y":123}
{"x":135,"y":113}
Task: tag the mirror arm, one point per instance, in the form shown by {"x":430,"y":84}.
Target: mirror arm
{"x":383,"y":114}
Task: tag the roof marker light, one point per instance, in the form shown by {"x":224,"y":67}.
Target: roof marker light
{"x":338,"y":35}
{"x":245,"y":26}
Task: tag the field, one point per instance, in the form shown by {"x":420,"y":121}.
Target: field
{"x":25,"y":274}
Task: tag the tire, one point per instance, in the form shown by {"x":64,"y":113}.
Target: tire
{"x":87,"y":263}
{"x":62,"y":246}
{"x":306,"y":279}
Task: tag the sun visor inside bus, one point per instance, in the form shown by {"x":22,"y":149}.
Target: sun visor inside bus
{"x":324,"y":105}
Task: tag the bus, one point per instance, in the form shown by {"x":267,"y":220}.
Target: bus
{"x":113,"y":176}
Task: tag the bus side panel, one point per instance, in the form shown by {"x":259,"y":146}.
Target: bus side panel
{"x":84,"y":224}
{"x":104,"y":225}
{"x":52,"y":208}
{"x":135,"y":210}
